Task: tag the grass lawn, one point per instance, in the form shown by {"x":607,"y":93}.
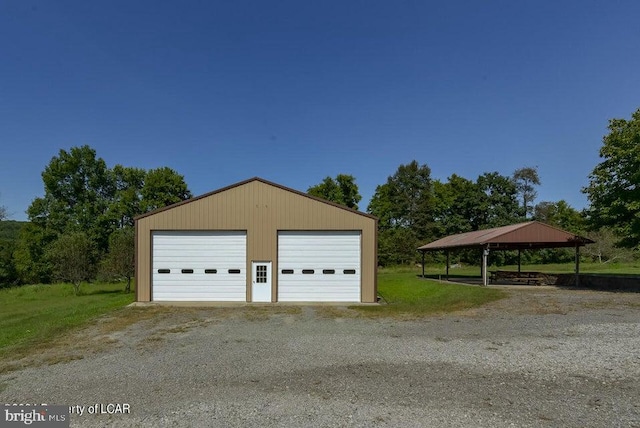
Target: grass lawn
{"x":406,"y":294}
{"x":32,"y":314}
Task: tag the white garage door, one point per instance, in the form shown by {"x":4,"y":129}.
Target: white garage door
{"x":199,"y":266}
{"x":319,"y":266}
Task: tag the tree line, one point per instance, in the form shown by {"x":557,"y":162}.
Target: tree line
{"x":83,"y":225}
{"x":414,"y":209}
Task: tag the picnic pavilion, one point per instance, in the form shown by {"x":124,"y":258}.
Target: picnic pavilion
{"x":521,"y":236}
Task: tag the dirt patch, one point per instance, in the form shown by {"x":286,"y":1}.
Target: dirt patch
{"x":103,"y":334}
{"x":144,"y":328}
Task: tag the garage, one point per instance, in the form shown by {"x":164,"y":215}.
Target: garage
{"x":319,"y":266}
{"x":199,"y":266}
{"x":257,"y":242}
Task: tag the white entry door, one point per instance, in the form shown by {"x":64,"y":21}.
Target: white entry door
{"x":261,"y":281}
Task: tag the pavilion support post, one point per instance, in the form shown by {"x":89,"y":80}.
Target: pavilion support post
{"x":447,"y":275}
{"x":485,"y":255}
{"x":577,"y":265}
{"x":519,"y":258}
{"x":422,"y":263}
{"x":482,"y":267}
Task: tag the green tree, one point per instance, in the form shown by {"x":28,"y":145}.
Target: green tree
{"x":497,"y":202}
{"x":9,"y":232}
{"x":404,"y":206}
{"x":343,"y":190}
{"x":127,"y":197}
{"x":163,"y":187}
{"x":72,"y":257}
{"x":525,"y":179}
{"x":456,"y":207}
{"x":83,"y":195}
{"x":560,"y":214}
{"x":614,"y":184}
{"x":120,"y":260}
{"x":8,"y":274}
{"x":78,"y":189}
{"x":406,"y":199}
{"x":29,"y":256}
{"x":397,"y":247}
{"x":382,"y":207}
{"x":605,"y":250}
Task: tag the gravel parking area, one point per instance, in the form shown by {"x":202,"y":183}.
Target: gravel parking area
{"x":542,"y":357}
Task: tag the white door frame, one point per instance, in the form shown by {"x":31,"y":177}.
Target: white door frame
{"x":260,"y":281}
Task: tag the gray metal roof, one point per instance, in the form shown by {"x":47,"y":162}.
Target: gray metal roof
{"x":531,"y":234}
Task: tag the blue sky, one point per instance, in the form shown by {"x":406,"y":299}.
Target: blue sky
{"x":293,"y":91}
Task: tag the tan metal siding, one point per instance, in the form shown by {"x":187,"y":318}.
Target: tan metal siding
{"x":261,"y":209}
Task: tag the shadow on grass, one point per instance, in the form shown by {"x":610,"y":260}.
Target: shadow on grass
{"x":443,"y":277}
{"x":103,"y":291}
{"x":600,"y":282}
{"x":621,"y":283}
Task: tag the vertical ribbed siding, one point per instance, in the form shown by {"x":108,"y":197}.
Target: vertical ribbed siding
{"x":260,"y":209}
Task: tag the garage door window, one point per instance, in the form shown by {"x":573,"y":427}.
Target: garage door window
{"x":234,"y":270}
{"x":187,"y":270}
{"x":164,"y":270}
{"x":328,"y":271}
{"x":287,"y":271}
{"x":349,"y":271}
{"x":308,"y":271}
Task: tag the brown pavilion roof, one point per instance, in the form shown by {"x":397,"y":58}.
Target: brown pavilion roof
{"x":531,"y":234}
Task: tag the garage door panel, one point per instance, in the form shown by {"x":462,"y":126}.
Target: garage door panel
{"x":317,"y":251}
{"x":198,"y":251}
{"x":178,"y":263}
{"x":304,"y":293}
{"x":188,"y":279}
{"x":325,"y":279}
{"x":203,"y":290}
{"x":199,"y":293}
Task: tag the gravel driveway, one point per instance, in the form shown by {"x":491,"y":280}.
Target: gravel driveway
{"x":542,"y":357}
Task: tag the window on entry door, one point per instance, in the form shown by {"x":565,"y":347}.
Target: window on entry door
{"x":261,"y":274}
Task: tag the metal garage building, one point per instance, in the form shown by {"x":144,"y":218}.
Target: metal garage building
{"x":256,"y":241}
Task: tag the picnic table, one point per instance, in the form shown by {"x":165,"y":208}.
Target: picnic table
{"x":535,"y":278}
